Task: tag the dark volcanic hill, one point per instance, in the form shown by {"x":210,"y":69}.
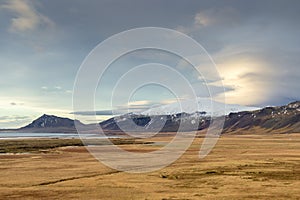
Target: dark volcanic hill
{"x":50,"y":121}
{"x":50,"y":124}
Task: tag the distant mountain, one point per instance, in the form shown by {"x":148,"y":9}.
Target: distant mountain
{"x":50,"y":121}
{"x":162,"y":123}
{"x":176,"y":116}
{"x":281,"y":119}
{"x":50,"y":124}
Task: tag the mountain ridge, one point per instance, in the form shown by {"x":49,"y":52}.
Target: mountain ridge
{"x":279,"y":119}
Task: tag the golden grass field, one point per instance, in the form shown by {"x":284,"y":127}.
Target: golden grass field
{"x":239,"y":167}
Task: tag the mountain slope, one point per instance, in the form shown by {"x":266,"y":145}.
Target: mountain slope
{"x":281,"y":118}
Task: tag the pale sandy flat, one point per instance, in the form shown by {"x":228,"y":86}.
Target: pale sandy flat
{"x":239,"y":167}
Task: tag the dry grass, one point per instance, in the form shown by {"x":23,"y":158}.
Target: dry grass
{"x":239,"y":167}
{"x":36,"y":145}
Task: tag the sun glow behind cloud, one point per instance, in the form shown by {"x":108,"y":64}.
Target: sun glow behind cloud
{"x":240,"y":74}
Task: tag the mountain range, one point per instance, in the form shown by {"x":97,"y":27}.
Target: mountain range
{"x":279,"y":119}
{"x":210,"y":107}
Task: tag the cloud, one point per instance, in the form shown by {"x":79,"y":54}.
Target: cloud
{"x":88,"y":113}
{"x":139,"y":103}
{"x":26,"y":17}
{"x":16,"y":104}
{"x":224,"y":16}
{"x":57,"y":87}
{"x":13,"y":118}
{"x":213,"y":17}
{"x":55,"y":90}
{"x":269,"y":30}
{"x":14,"y":121}
{"x":133,"y":106}
{"x":204,"y":19}
{"x":255,"y":52}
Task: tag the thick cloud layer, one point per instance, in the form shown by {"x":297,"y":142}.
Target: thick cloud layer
{"x":255,"y":45}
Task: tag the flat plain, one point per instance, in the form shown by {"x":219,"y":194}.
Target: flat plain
{"x":239,"y":167}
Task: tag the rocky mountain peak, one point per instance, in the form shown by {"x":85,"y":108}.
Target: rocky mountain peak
{"x":50,"y":121}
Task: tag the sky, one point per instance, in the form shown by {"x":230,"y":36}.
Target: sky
{"x":254,"y":44}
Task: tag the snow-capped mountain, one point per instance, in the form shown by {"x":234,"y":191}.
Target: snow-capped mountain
{"x":280,"y":119}
{"x":172,"y":117}
{"x":211,"y":108}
